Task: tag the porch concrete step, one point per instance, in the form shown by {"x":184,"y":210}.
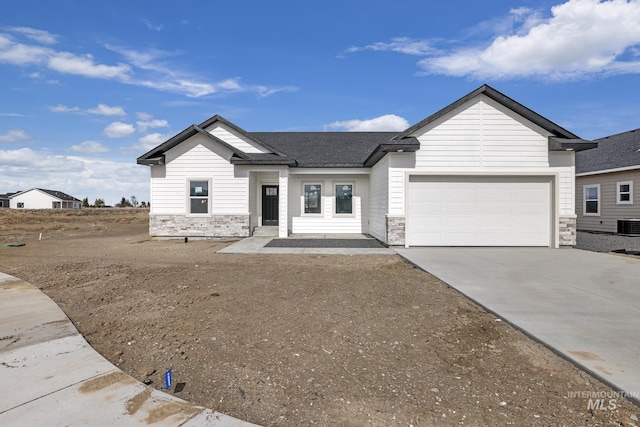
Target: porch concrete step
{"x":265,"y":231}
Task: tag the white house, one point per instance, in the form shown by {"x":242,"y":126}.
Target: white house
{"x":38,"y":198}
{"x":483,"y":171}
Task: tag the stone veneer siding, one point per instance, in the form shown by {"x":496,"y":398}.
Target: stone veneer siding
{"x":567,"y":230}
{"x":199,"y":226}
{"x":396,"y":226}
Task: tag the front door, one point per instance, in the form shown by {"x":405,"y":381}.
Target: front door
{"x":269,"y":205}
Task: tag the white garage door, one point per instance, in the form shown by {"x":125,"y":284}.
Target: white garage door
{"x":479,"y":211}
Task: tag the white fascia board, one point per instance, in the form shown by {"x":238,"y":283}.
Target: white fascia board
{"x":626,"y":168}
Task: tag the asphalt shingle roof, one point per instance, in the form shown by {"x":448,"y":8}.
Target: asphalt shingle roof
{"x":350,"y":149}
{"x":326,"y":149}
{"x":59,"y":194}
{"x":613,"y":152}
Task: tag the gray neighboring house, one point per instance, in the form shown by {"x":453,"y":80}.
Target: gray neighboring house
{"x":608,"y":182}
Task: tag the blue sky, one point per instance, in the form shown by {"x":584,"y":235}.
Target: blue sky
{"x":87,"y":87}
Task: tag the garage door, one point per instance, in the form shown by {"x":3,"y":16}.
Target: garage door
{"x":479,"y":211}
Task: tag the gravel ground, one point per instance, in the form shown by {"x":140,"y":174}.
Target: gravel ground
{"x":602,"y":242}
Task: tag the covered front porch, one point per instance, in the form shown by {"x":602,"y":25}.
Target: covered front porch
{"x":291,"y":201}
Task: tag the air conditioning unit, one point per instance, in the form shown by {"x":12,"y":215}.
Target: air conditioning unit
{"x":629,"y":226}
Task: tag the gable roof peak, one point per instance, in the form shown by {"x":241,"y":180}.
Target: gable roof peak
{"x":503,"y":100}
{"x":218,"y":118}
{"x":156,"y":155}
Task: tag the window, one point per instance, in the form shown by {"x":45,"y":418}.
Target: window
{"x":624,"y":193}
{"x":591,"y":200}
{"x":312,"y":198}
{"x":344,"y":198}
{"x":199,"y":197}
{"x":20,"y":205}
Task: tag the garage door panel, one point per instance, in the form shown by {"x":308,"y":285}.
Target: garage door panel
{"x":479,"y":211}
{"x":491,"y":207}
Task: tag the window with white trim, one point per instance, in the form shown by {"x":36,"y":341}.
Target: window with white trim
{"x":198,"y":197}
{"x":312,"y":198}
{"x":591,"y":205}
{"x":20,"y":205}
{"x":624,"y":193}
{"x":344,"y":199}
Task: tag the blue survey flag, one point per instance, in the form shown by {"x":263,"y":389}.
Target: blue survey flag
{"x":168,"y":379}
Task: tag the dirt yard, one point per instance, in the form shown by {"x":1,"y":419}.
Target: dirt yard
{"x":295,"y":340}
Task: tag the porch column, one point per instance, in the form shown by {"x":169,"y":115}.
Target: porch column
{"x":283,"y":208}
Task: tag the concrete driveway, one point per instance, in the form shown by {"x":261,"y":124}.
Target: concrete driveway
{"x":583,"y":305}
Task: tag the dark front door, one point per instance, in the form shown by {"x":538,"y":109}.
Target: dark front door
{"x":269,"y":205}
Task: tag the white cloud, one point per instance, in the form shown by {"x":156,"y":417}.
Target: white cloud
{"x":264,"y":91}
{"x":21,"y":54}
{"x":577,"y":39}
{"x":144,"y":116}
{"x":80,"y":177}
{"x":105,"y":110}
{"x":89,"y":147}
{"x":118,"y":130}
{"x":18,"y":162}
{"x":17,"y":53}
{"x":101,"y":110}
{"x":63,"y":109}
{"x":581,"y":39}
{"x":169,"y":78}
{"x":145,"y":68}
{"x":146,"y":124}
{"x":40,"y":36}
{"x":14,"y":135}
{"x":152,"y":26}
{"x":191,"y":88}
{"x":388,"y":122}
{"x":84,"y":65}
{"x":399,"y":44}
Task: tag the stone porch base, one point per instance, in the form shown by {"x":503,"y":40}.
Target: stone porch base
{"x":396,"y":230}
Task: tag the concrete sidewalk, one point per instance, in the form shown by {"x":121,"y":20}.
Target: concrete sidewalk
{"x":583,"y":305}
{"x":256,"y":245}
{"x":53,"y":377}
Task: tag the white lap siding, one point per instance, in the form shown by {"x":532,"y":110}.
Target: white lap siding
{"x":483,"y":137}
{"x":563,"y":162}
{"x":235,"y":140}
{"x":328,"y":221}
{"x":198,"y":158}
{"x":379,"y":199}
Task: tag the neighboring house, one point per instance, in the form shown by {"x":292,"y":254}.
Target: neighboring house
{"x":483,"y":171}
{"x":38,"y":198}
{"x":608,"y":182}
{"x":4,"y":199}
